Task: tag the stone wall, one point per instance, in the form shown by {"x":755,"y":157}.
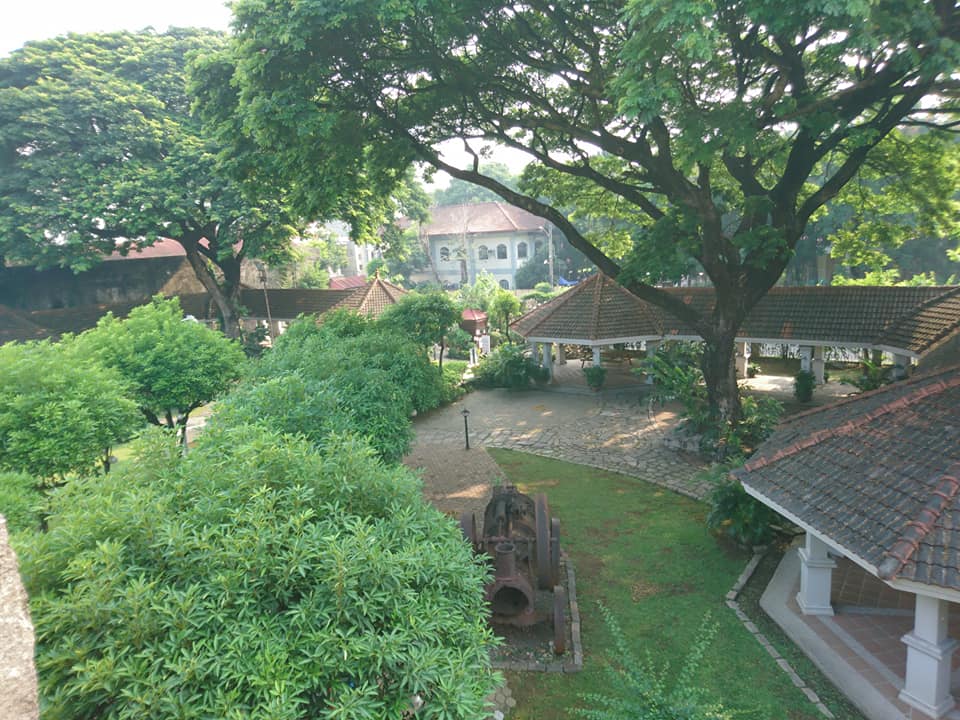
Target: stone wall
{"x":18,"y":676}
{"x":113,"y":281}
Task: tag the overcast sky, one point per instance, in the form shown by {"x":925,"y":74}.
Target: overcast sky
{"x":23,"y":20}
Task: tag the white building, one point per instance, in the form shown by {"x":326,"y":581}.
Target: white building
{"x":495,"y":237}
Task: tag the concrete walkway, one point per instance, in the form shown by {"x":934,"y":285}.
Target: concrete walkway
{"x":612,"y":433}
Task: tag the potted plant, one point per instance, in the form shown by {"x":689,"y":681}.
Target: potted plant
{"x":595,"y":376}
{"x":803,"y":383}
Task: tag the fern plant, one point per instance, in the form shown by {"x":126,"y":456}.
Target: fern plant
{"x":640,"y":691}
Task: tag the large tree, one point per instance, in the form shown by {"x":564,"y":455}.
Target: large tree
{"x":99,"y":153}
{"x":709,"y":119}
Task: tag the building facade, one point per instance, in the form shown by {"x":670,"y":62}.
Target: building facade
{"x":493,"y":237}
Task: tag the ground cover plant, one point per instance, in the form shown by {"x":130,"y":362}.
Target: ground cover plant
{"x":255,"y":577}
{"x":646,"y":554}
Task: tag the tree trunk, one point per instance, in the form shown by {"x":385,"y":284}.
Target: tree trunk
{"x":720,"y":375}
{"x":225,"y":303}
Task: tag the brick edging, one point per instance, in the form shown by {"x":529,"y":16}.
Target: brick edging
{"x":782,"y":663}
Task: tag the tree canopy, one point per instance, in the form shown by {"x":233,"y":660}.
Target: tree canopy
{"x":174,"y":364}
{"x":99,"y":152}
{"x":425,"y":318}
{"x":60,"y":412}
{"x":723,"y":127}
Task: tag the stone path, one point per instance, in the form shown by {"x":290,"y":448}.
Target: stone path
{"x":616,"y":435}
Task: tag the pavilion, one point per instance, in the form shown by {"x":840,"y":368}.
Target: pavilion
{"x":909,"y":322}
{"x":874,"y":481}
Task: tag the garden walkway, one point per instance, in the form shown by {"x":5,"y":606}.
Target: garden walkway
{"x":605,"y":431}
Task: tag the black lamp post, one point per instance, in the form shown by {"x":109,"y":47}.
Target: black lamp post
{"x":466,"y":428}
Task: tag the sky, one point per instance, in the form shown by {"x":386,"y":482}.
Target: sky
{"x":24,"y":20}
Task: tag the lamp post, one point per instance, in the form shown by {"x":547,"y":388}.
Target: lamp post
{"x":466,"y":428}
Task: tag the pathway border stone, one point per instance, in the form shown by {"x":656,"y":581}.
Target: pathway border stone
{"x":782,"y":663}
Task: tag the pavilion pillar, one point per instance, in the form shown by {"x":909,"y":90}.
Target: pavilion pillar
{"x":816,"y":569}
{"x":929,"y":654}
{"x":561,"y":355}
{"x":547,"y":354}
{"x":743,"y":358}
{"x":901,"y":366}
{"x":818,"y":365}
{"x":535,"y":352}
{"x":651,"y":346}
{"x":806,"y":358}
{"x":596,"y":356}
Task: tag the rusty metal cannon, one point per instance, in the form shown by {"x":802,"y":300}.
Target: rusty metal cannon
{"x":523,"y":541}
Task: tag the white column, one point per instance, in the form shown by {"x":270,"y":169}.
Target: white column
{"x":651,"y":346}
{"x":816,"y":569}
{"x":561,"y":355}
{"x":535,"y":352}
{"x":806,"y":353}
{"x":818,"y":365}
{"x":901,"y":366}
{"x":929,"y":653}
{"x":596,"y":356}
{"x":743,"y":359}
{"x":548,"y":358}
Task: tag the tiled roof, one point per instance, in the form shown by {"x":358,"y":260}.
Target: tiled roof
{"x":369,"y":299}
{"x":488,"y":217}
{"x":878,"y":474}
{"x":595,"y":309}
{"x":345,"y":283}
{"x":14,"y":326}
{"x":911,"y":319}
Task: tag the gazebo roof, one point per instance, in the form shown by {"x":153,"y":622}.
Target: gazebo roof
{"x":877,"y":475}
{"x":908,"y":320}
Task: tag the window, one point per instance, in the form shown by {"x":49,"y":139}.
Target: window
{"x":505,"y":284}
{"x":444,"y":254}
{"x":483,"y":253}
{"x":501,"y":252}
{"x":537,"y":246}
{"x":522,"y":250}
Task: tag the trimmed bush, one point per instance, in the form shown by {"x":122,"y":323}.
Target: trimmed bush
{"x":803,"y":384}
{"x":255,"y":578}
{"x":20,"y":500}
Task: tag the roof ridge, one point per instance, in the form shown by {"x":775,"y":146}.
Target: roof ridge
{"x":560,"y":299}
{"x":949,"y":291}
{"x":506,"y":215}
{"x":916,"y":529}
{"x":852,"y":425}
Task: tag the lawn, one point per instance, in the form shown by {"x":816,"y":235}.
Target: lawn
{"x":644,"y":553}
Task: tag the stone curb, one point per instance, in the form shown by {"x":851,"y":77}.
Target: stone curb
{"x":782,"y":663}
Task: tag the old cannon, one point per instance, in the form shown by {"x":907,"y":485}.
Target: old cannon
{"x":523,"y":541}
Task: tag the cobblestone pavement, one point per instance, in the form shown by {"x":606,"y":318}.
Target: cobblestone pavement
{"x":619,"y":433}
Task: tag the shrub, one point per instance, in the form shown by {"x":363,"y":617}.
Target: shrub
{"x":640,"y":691}
{"x":255,"y":578}
{"x":760,"y":417}
{"x":872,"y":376}
{"x":453,"y":372}
{"x":752,"y":370}
{"x":736,"y":515}
{"x":20,"y":499}
{"x":60,"y":410}
{"x":459,"y":343}
{"x":508,"y":366}
{"x":803,"y":384}
{"x":595,"y":376}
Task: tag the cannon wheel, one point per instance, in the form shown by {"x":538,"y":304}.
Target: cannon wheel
{"x":559,"y":620}
{"x":468,"y":526}
{"x":555,"y":551}
{"x":543,"y":541}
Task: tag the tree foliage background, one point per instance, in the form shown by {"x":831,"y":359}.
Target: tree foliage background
{"x":720,"y":129}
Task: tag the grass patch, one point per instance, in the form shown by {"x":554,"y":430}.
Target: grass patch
{"x":645,"y":553}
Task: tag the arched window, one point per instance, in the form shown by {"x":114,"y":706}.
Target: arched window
{"x":444,"y":254}
{"x":501,"y":252}
{"x":483,"y":253}
{"x":505,"y":284}
{"x":521,"y":250}
{"x":537,"y":246}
